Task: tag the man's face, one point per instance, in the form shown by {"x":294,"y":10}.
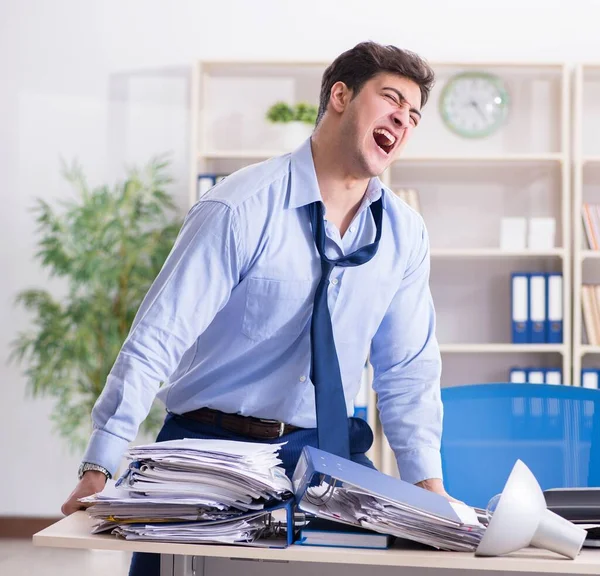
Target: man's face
{"x":378,"y":123}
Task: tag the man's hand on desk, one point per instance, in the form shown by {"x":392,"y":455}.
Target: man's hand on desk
{"x":91,"y":482}
{"x":436,"y":485}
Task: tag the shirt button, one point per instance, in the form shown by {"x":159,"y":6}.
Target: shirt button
{"x":302,"y":378}
{"x":351,"y":229}
{"x":334,"y":281}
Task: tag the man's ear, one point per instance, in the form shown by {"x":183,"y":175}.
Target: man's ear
{"x":340,"y":97}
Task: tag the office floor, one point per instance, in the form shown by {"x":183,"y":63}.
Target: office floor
{"x":20,"y":558}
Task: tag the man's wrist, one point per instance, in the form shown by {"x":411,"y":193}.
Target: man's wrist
{"x":90,"y":467}
{"x":432,"y":484}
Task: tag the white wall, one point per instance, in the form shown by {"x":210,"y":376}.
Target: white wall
{"x":64,"y":66}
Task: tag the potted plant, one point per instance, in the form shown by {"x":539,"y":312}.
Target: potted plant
{"x":297,"y":121}
{"x":107,"y":245}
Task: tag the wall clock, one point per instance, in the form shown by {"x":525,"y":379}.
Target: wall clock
{"x":474,"y":104}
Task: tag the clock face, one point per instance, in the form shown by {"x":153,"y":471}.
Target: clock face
{"x":474,"y":104}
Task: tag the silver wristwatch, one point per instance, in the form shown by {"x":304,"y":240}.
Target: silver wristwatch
{"x":85,"y":466}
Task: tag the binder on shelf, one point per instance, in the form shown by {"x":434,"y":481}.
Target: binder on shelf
{"x":537,"y":308}
{"x":361,"y":402}
{"x":518,"y":376}
{"x":521,"y":324}
{"x":553,"y":376}
{"x":589,"y":378}
{"x":206,"y":181}
{"x":554,"y":311}
{"x":536,"y":376}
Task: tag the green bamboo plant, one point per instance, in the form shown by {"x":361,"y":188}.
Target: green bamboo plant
{"x":107,"y":245}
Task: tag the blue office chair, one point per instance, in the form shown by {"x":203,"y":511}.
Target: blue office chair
{"x":554,"y":430}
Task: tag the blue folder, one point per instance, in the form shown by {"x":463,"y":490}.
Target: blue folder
{"x":554,"y":315}
{"x":520,"y":313}
{"x":538,"y":298}
{"x":316,"y":466}
{"x":276,"y":538}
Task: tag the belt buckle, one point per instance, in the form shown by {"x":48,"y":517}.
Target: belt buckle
{"x":281,"y":425}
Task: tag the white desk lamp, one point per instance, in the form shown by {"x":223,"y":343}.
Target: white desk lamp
{"x":520,"y":519}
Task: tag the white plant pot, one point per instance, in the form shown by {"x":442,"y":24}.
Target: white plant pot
{"x":294,"y":134}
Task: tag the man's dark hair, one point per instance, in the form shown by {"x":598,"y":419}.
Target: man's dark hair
{"x":358,"y":65}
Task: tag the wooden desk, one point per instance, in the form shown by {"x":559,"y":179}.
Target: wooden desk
{"x":177,"y":559}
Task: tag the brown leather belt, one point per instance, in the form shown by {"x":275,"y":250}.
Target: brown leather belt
{"x":242,"y":425}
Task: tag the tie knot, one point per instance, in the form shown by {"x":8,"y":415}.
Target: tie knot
{"x":357,"y":257}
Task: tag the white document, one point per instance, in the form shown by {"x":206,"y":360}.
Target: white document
{"x":513,"y":233}
{"x":542,"y":233}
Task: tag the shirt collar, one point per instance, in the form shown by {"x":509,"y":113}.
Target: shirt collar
{"x":304,"y":187}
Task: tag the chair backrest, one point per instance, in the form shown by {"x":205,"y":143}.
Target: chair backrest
{"x":554,"y":430}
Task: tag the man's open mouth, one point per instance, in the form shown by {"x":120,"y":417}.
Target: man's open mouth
{"x":384,"y":139}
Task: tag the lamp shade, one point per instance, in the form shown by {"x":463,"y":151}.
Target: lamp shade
{"x":521,"y":519}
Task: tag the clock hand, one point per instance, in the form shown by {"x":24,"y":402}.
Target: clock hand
{"x":478,"y":108}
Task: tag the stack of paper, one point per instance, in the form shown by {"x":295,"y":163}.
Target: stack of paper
{"x":405,"y":522}
{"x":353,"y":506}
{"x":195,"y":491}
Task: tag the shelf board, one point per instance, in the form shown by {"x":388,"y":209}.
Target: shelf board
{"x":493,"y":253}
{"x":524,"y":158}
{"x":240,"y":154}
{"x":588,"y":349}
{"x":590,"y":159}
{"x":257,"y":153}
{"x":586,"y":254}
{"x":501,"y":348}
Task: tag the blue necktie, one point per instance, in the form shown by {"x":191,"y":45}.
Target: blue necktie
{"x":332,"y":418}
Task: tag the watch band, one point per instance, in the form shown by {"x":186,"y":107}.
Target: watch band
{"x":85,"y":466}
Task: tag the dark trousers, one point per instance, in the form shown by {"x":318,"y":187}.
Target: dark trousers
{"x":177,"y":427}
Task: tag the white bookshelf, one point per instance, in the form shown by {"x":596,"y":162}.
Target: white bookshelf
{"x":502,"y":348}
{"x":586,"y":188}
{"x":494,"y":253}
{"x":465,"y":188}
{"x":588,"y":254}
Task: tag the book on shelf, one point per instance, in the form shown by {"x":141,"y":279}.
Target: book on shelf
{"x":590,"y":214}
{"x":410,"y":196}
{"x":590,"y":309}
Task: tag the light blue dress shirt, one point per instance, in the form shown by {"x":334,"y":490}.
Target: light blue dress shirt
{"x":226,"y":324}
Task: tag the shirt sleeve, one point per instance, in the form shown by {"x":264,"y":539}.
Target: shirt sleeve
{"x":194,"y":284}
{"x":407,"y":367}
